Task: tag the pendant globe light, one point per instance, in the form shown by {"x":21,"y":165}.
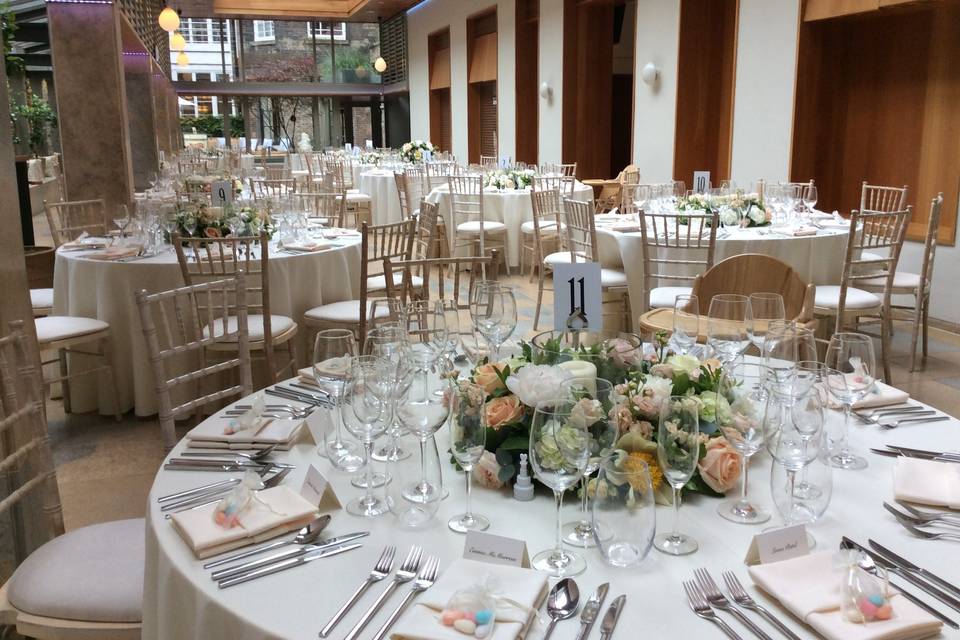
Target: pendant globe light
{"x":183,"y":60}
{"x":177,"y":42}
{"x":169,"y":20}
{"x":380,"y":65}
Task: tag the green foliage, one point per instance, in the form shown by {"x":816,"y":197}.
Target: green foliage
{"x":8,"y":28}
{"x":39,"y":117}
{"x":212,"y":125}
{"x":350,"y":58}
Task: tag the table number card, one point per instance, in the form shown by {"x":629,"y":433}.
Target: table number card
{"x":487,"y":547}
{"x":221,"y":192}
{"x":701,"y":181}
{"x":777,"y":545}
{"x":317,"y":490}
{"x":370,"y":145}
{"x":348,"y":147}
{"x":576,"y":290}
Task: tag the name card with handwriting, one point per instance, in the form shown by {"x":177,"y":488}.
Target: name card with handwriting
{"x":777,"y":545}
{"x":317,"y":490}
{"x":221,"y":192}
{"x":487,"y":547}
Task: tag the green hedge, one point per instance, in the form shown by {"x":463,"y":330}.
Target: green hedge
{"x":211,"y":125}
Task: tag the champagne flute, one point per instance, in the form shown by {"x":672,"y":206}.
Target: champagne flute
{"x":848,"y":376}
{"x":686,"y":322}
{"x":764,"y":309}
{"x":468,"y":437}
{"x":727,"y":322}
{"x":333,"y":350}
{"x":678,"y":450}
{"x":493,"y":309}
{"x":365,"y":411}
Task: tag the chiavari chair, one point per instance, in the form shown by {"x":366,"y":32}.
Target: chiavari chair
{"x":272,"y":188}
{"x":471,"y":230}
{"x":358,"y":205}
{"x":675,"y":250}
{"x":69,"y":220}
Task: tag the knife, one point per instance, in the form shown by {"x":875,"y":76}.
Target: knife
{"x":591,"y":609}
{"x":286,"y":564}
{"x":611,"y":617}
{"x":923,"y":452}
{"x":251,"y":565}
{"x":240,"y":462}
{"x":318,"y":525}
{"x":909,"y":566}
{"x":199,"y":467}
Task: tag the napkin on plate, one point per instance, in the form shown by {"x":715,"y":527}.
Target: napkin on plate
{"x":421,"y":621}
{"x":929,"y":482}
{"x":271,"y":431}
{"x":881,"y":396}
{"x":804,"y":231}
{"x":308,"y":247}
{"x":809,"y":587}
{"x":116,"y":253}
{"x":85,"y":241}
{"x":275,"y":511}
{"x":625,"y":227}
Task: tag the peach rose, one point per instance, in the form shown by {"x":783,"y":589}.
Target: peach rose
{"x":503,"y":410}
{"x":720,"y":468}
{"x":487,"y":470}
{"x":486,"y":376}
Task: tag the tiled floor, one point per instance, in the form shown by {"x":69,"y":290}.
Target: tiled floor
{"x":105,"y":468}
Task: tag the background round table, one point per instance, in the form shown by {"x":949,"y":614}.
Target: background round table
{"x":181,"y":601}
{"x":106,"y":291}
{"x":381,"y":186}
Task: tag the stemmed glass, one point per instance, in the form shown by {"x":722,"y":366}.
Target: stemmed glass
{"x":727,"y":322}
{"x":785,"y":345}
{"x":764,"y":309}
{"x":451,"y":314}
{"x":686,"y":322}
{"x":333,"y":350}
{"x":678,"y":449}
{"x":190,"y":223}
{"x":559,"y":453}
{"x":809,"y":197}
{"x":848,"y":376}
{"x":365,"y":411}
{"x":468,"y":437}
{"x":388,"y":342}
{"x":121,"y":219}
{"x":493,"y":310}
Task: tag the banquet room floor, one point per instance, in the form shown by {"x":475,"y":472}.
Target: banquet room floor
{"x":105,"y":468}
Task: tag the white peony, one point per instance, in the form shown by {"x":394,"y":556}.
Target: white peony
{"x":728,"y":216}
{"x":756,"y":214}
{"x":536,"y":382}
{"x":586,"y":413}
{"x":687,"y":364}
{"x":657,"y":388}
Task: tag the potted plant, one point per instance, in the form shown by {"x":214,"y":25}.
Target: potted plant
{"x":39,"y":117}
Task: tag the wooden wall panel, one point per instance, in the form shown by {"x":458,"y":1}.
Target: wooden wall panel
{"x":440,"y":69}
{"x":438,"y":50}
{"x":483,"y":58}
{"x":441,"y":133}
{"x":527,"y":79}
{"x":482,"y":85}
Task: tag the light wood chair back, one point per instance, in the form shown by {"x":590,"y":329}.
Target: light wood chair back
{"x":880,"y":198}
{"x":68,"y":220}
{"x":443,"y":279}
{"x":466,"y":203}
{"x":272,"y":188}
{"x":182,"y":325}
{"x":564,"y":185}
{"x":879,"y":235}
{"x":486,"y":161}
{"x":276,"y":172}
{"x":676,"y":248}
{"x":410,"y":189}
{"x":547,"y":205}
{"x":930,"y":242}
{"x":581,"y":230}
{"x":378,"y":243}
{"x":435,"y":173}
{"x":197,"y":166}
{"x":756,"y":273}
{"x":328,"y":205}
{"x":341,"y":172}
{"x":425,"y":243}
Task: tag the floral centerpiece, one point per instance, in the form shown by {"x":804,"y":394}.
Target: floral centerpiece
{"x":509,"y":178}
{"x":201,"y":220}
{"x":195,"y":183}
{"x":371,"y":157}
{"x":735,"y":209}
{"x":414,"y":151}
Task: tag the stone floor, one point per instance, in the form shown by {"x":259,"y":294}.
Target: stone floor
{"x":105,"y":468}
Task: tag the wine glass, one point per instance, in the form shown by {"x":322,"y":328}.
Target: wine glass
{"x":451,"y":314}
{"x":388,"y":342}
{"x":384,"y":310}
{"x":411,"y":510}
{"x":727,"y":322}
{"x":593,"y":400}
{"x":785,"y":345}
{"x":848,"y":376}
{"x":475,"y":347}
{"x":624,"y":509}
{"x":468,"y":437}
{"x":809,"y":197}
{"x":365,"y":411}
{"x":764,"y":309}
{"x":678,"y":450}
{"x":493,"y":309}
{"x":686,"y":322}
{"x":559,"y":452}
{"x":333,"y":350}
{"x":422,"y":413}
{"x":190,"y":223}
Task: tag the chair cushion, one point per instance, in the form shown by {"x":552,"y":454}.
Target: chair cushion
{"x":901,"y":280}
{"x":473,"y":226}
{"x":666,"y":297}
{"x":560,"y":257}
{"x":379,"y":283}
{"x":358,"y":197}
{"x":828,"y":297}
{"x":41,"y":298}
{"x":93,"y":574}
{"x":545,"y":227}
{"x":53,"y":328}
{"x":279,"y":325}
{"x":347,"y":311}
{"x":612,"y":278}
{"x":870,"y":255}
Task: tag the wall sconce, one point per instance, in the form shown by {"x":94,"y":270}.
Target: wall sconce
{"x":546,"y":92}
{"x":650,"y":74}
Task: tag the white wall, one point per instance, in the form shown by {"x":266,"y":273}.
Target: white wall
{"x":550,"y":114}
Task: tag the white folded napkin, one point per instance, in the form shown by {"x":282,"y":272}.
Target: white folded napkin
{"x":274,"y":512}
{"x":809,"y":587}
{"x":314,"y":245}
{"x":527,"y":587}
{"x":804,"y":231}
{"x":272,"y":431}
{"x":881,"y":396}
{"x":929,"y":482}
{"x":116,"y":253}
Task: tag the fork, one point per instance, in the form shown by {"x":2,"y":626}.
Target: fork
{"x":882,"y":418}
{"x":896,"y":423}
{"x":718,"y":600}
{"x":919,"y":521}
{"x":928,"y":535}
{"x":406,"y":573}
{"x":428,"y":575}
{"x":702,"y":608}
{"x":930,"y":516}
{"x":743,"y":598}
{"x":381,"y":570}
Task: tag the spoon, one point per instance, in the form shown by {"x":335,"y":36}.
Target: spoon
{"x":305,"y":535}
{"x":562,"y":603}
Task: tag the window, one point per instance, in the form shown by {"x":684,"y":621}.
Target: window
{"x":218,"y":32}
{"x":262,"y":30}
{"x":195,"y":30}
{"x":323,"y":33}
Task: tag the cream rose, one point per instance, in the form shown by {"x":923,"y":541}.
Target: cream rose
{"x":486,"y":376}
{"x":503,"y":410}
{"x":487,"y":470}
{"x":720,"y":468}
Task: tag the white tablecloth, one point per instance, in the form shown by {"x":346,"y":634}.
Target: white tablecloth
{"x":381,"y":186}
{"x":105,"y":290}
{"x":512,"y":207}
{"x":180,"y":600}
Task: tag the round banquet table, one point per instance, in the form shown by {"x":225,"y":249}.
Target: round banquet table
{"x":816,"y":259}
{"x":512,"y":207}
{"x":106,"y":291}
{"x":381,"y":186}
{"x":181,"y":601}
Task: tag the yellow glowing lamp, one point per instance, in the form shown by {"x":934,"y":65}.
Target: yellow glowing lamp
{"x":169,"y":20}
{"x":380,"y":65}
{"x":177,"y":43}
{"x":182,"y":60}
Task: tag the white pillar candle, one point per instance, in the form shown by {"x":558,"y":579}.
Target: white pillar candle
{"x":582,"y":372}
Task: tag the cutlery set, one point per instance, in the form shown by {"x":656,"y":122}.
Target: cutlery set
{"x":211,"y":493}
{"x":894,"y":451}
{"x":706,"y":598}
{"x":912,"y":519}
{"x":563,"y":602}
{"x":891,"y":417}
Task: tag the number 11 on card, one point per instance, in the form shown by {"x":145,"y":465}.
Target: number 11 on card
{"x":577,"y":296}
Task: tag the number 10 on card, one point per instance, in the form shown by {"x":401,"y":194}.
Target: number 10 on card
{"x":577,"y":297}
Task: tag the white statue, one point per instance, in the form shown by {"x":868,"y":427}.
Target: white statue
{"x":304,"y":145}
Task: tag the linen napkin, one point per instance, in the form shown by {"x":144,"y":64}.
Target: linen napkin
{"x":929,"y":482}
{"x":809,"y":587}
{"x":881,"y":396}
{"x":275,"y":511}
{"x":271,"y":431}
{"x":84,"y":241}
{"x":804,"y":231}
{"x":421,"y":621}
{"x":116,"y":253}
{"x":308,"y":247}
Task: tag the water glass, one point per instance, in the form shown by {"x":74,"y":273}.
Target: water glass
{"x":493,"y":310}
{"x":686,"y":322}
{"x":468,"y":437}
{"x":414,"y":510}
{"x":678,"y":450}
{"x":624,"y":509}
{"x":366,"y":411}
{"x":764,"y":309}
{"x":727,"y":322}
{"x":333,"y":352}
{"x":848,"y":377}
{"x":810,"y":503}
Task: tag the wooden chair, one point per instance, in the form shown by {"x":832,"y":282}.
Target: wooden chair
{"x":880,"y":198}
{"x":486,"y":161}
{"x":394,"y":240}
{"x":276,"y":172}
{"x":547,"y":223}
{"x":436,"y":173}
{"x":674,"y":253}
{"x":68,"y":220}
{"x":471,"y":229}
{"x":272,"y":188}
{"x":189,"y":322}
{"x":358,"y":205}
{"x":540,"y":235}
{"x":872,"y":252}
{"x":44,"y":597}
{"x":427,"y":237}
{"x":213,"y":259}
{"x":325,"y":207}
{"x":757,"y":273}
{"x":409,"y":190}
{"x":917,"y":285}
{"x":41,"y":302}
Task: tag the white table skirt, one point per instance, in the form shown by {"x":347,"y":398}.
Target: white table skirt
{"x":180,"y":600}
{"x":381,"y":186}
{"x":106,"y":290}
{"x":511,"y":207}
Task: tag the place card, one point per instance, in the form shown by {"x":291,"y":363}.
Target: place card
{"x":317,"y":490}
{"x":701,"y":181}
{"x":487,"y":547}
{"x":348,"y":147}
{"x":577,"y":296}
{"x":370,"y":145}
{"x":777,"y":545}
{"x":221,"y":192}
